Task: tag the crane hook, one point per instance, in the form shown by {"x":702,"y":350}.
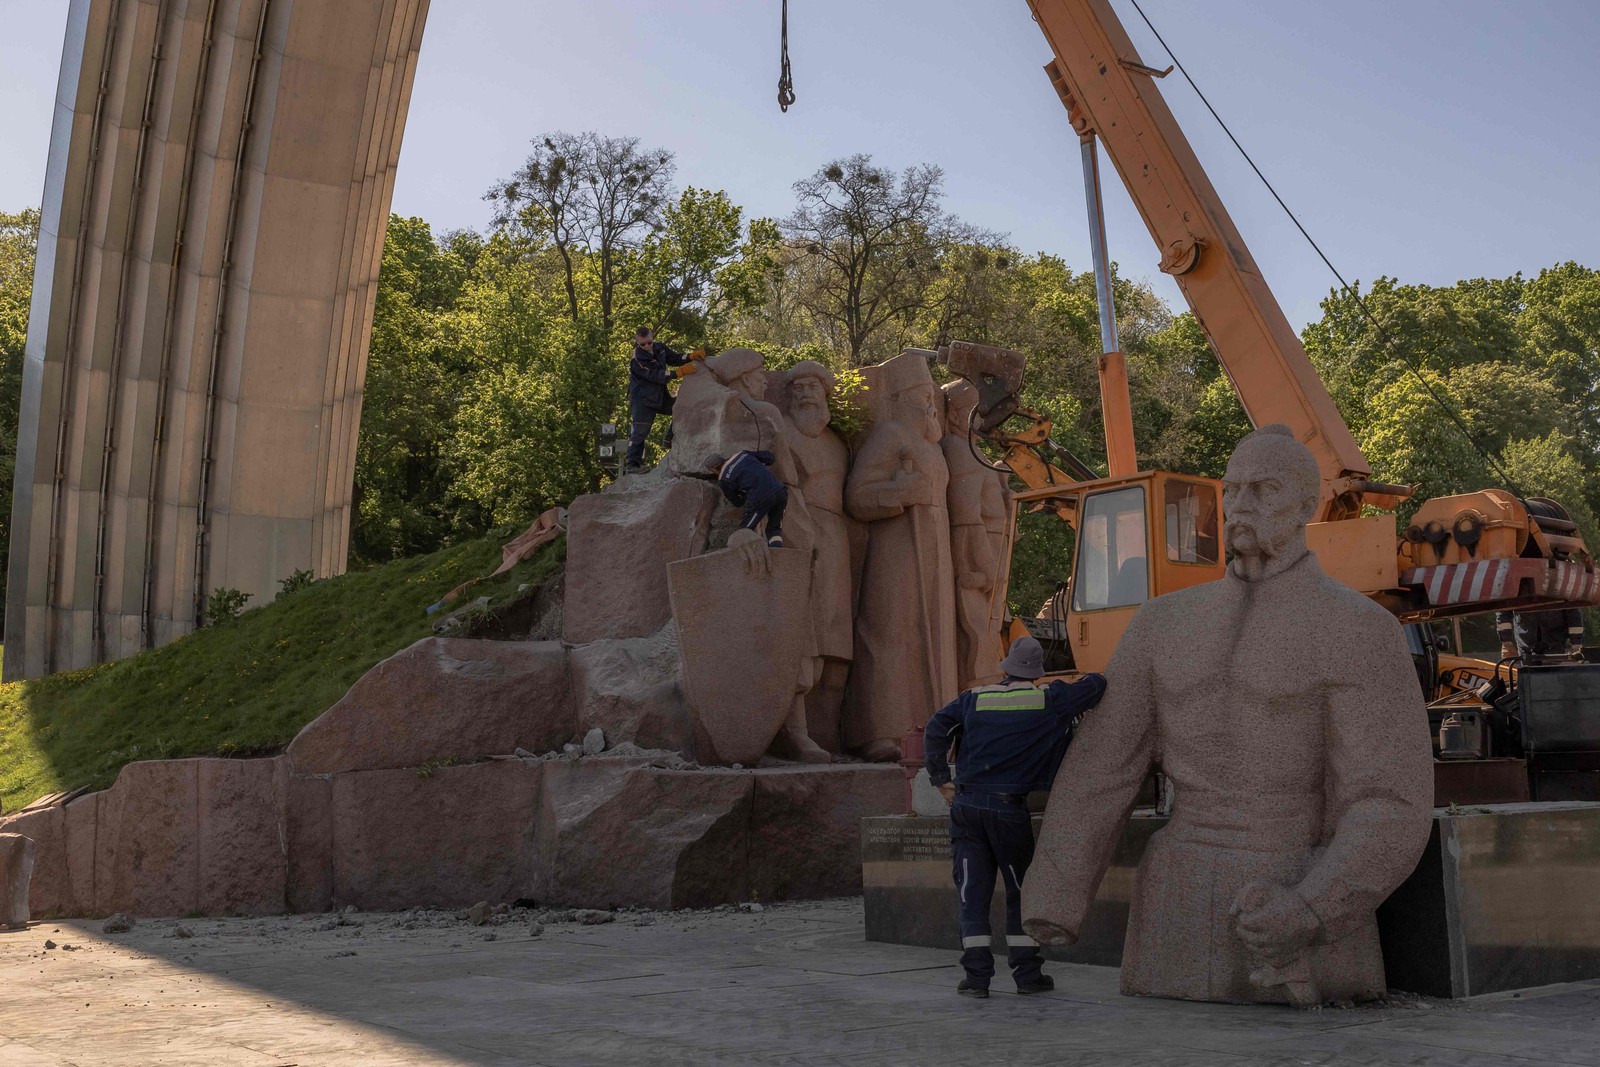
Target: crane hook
{"x":785,"y":79}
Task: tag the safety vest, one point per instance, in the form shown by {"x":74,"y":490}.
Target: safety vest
{"x":1008,"y":698}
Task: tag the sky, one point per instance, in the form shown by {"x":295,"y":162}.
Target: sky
{"x":1422,"y":139}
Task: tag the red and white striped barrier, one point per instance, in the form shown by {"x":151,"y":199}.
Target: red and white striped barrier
{"x":1501,"y":579}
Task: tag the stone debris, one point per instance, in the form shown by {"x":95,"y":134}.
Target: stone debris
{"x":325,"y":925}
{"x":491,"y":936}
{"x":181,"y":932}
{"x":752,"y":906}
{"x":558,"y":915}
{"x":478,"y":914}
{"x":594,"y":742}
{"x":119,"y":924}
{"x":536,"y":929}
{"x":49,"y":944}
{"x":341,"y":955}
{"x":592,"y":917}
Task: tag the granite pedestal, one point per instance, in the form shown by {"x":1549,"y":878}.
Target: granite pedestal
{"x":1503,"y":898}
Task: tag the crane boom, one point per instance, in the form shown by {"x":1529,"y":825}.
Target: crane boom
{"x":1111,"y":94}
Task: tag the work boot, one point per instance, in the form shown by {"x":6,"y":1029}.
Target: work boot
{"x":633,"y":468}
{"x":775,"y":542}
{"x":969,"y":988}
{"x":1040,"y":984}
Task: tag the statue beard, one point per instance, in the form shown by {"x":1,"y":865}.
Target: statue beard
{"x":809,"y":417}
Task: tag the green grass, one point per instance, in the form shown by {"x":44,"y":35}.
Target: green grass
{"x":240,"y":688}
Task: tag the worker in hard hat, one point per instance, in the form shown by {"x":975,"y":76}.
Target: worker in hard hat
{"x":1538,"y":637}
{"x":1012,"y":737}
{"x":652,"y":366}
{"x":746,"y":479}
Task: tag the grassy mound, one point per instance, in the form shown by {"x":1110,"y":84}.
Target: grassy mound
{"x":242,"y":687}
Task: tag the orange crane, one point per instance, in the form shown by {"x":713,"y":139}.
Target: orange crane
{"x":1140,"y":534}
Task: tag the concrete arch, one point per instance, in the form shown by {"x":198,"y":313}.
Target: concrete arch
{"x":218,"y":187}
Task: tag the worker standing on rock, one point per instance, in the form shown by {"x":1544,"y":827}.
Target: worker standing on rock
{"x":747,"y":479}
{"x":652,"y":366}
{"x":1012,"y":738}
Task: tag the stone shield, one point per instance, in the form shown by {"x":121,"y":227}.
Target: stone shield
{"x":743,"y":635}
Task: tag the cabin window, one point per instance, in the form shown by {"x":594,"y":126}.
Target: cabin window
{"x":1191,"y":512}
{"x":1113,"y":568}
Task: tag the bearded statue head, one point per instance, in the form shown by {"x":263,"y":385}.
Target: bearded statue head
{"x":810,"y":384}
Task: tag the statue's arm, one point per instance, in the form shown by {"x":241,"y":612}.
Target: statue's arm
{"x":873,"y":490}
{"x":1094,"y":790}
{"x":1378,"y":785}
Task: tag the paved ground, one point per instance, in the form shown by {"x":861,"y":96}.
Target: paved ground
{"x":795,"y":984}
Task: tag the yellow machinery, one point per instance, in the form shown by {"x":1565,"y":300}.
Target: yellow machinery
{"x":1140,"y":534}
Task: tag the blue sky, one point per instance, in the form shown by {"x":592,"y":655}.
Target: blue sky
{"x":1417,"y":138}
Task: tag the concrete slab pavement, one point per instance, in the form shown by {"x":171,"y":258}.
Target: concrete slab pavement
{"x":793,"y":984}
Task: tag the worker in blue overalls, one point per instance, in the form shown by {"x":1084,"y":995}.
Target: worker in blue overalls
{"x":747,"y":480}
{"x":1012,"y":737}
{"x":652,"y":366}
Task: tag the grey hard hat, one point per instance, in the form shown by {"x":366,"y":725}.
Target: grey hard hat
{"x":1025,"y":660}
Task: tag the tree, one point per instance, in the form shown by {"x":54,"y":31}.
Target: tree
{"x":1560,"y":326}
{"x":417,"y":368}
{"x":685,"y":280}
{"x":872,"y":245}
{"x":19,"y":243}
{"x":1515,"y":360}
{"x":595,"y":199}
{"x":525,"y":434}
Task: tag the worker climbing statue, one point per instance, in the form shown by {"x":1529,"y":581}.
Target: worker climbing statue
{"x":979,"y":511}
{"x":905,"y":626}
{"x":1304,"y":789}
{"x":725,"y":414}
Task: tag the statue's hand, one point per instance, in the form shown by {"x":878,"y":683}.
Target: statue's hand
{"x":752,"y":550}
{"x":1273,"y":922}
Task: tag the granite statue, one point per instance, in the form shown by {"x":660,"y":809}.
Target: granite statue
{"x":822,"y":463}
{"x":722,"y":416}
{"x":724,"y":410}
{"x":905,"y":622}
{"x":979,"y":510}
{"x":1284,"y":708}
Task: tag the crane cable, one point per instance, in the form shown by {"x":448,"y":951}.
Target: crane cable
{"x":785,"y":79}
{"x":1383,"y":334}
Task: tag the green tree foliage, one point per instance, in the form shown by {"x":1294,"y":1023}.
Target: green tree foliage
{"x":19,"y":240}
{"x":418,"y":367}
{"x":1514,"y":360}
